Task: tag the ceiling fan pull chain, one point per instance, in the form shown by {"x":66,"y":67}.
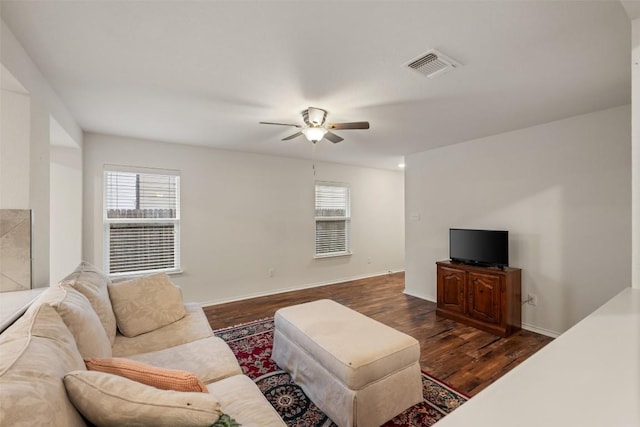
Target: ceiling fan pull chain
{"x":313,"y":158}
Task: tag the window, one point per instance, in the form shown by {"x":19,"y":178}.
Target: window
{"x":332,"y":219}
{"x":141,"y":221}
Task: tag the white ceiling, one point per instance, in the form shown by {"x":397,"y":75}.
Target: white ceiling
{"x":632,"y":7}
{"x":206,"y":72}
{"x":10,"y":83}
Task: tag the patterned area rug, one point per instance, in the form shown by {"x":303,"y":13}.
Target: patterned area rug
{"x":252,"y":343}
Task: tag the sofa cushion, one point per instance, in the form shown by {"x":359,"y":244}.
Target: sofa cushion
{"x":35,"y":354}
{"x":145,"y":304}
{"x":83,"y":322}
{"x":92,"y":283}
{"x":242,"y":400}
{"x":192,"y":327}
{"x":162,"y":378}
{"x":111,"y":400}
{"x":210,"y":359}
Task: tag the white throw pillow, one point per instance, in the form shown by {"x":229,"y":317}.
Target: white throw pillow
{"x":92,"y":283}
{"x":146,"y":304}
{"x":81,"y":319}
{"x":108,"y":400}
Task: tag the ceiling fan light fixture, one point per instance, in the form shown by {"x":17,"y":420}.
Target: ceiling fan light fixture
{"x":315,"y":128}
{"x":314,"y":134}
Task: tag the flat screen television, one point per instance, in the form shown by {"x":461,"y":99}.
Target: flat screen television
{"x":479,"y":247}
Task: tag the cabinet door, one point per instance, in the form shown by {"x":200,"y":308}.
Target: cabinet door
{"x":484,"y":299}
{"x":451,"y":293}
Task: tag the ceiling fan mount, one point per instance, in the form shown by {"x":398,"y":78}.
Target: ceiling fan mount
{"x":316,"y":128}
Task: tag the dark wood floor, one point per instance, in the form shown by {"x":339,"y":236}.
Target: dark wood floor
{"x":465,"y":357}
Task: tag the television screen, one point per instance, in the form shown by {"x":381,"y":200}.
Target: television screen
{"x":482,"y":247}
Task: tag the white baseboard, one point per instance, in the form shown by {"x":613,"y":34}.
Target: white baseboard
{"x":430,"y":298}
{"x":526,"y":326}
{"x":541,"y":331}
{"x":296,"y":288}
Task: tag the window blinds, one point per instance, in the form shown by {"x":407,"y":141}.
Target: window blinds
{"x":141,"y":247}
{"x":332,"y":219}
{"x":141,"y":222}
{"x":138,"y":195}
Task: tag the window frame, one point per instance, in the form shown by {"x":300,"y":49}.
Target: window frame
{"x":346,"y":219}
{"x":176,"y":222}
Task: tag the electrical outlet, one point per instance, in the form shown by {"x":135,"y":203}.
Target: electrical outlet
{"x":369,"y":260}
{"x":532,"y":299}
{"x":271,"y":271}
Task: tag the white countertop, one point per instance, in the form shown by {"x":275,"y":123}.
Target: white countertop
{"x":588,"y":377}
{"x":13,"y":304}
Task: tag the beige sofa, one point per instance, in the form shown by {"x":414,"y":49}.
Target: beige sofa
{"x":74,"y":320}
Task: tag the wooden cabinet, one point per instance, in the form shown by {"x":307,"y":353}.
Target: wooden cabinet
{"x":487,"y":298}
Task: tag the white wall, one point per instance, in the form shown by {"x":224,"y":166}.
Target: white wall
{"x":635,"y":117}
{"x":17,"y":61}
{"x":14,"y":150}
{"x":44,"y":103}
{"x":65,"y":211}
{"x":243,"y":214}
{"x":561,"y":189}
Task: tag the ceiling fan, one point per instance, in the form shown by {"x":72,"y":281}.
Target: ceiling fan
{"x":315,"y":128}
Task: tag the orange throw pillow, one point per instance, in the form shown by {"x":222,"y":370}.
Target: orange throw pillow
{"x":165,"y":379}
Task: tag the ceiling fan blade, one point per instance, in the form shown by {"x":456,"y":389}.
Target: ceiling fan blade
{"x":295,"y":135}
{"x":280,"y":124}
{"x":314,"y":116}
{"x":352,"y":125}
{"x":333,"y":137}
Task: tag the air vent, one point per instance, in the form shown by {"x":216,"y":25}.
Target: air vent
{"x":433,"y":64}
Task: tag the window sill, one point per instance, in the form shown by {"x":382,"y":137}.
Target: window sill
{"x":133,"y":274}
{"x":333,"y":255}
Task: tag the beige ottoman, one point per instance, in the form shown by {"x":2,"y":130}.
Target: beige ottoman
{"x":357,"y":370}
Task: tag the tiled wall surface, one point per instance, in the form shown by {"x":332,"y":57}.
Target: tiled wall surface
{"x":15,"y":249}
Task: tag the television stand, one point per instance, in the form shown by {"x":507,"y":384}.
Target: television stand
{"x":477,"y":264}
{"x":487,"y":298}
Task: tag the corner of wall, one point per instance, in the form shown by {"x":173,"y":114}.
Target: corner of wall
{"x":635,"y":151}
{"x":44,"y":103}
